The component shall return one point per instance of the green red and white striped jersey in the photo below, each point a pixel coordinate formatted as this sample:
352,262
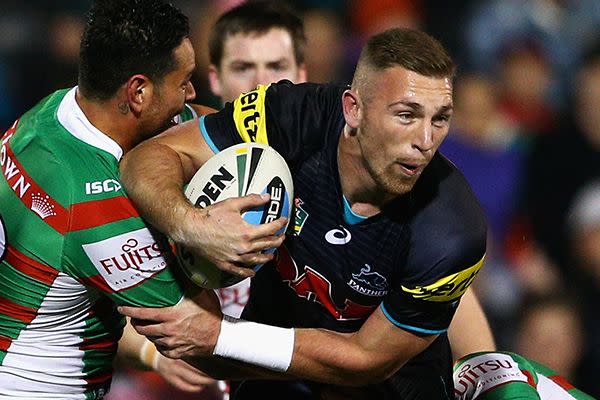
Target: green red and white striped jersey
72,247
509,376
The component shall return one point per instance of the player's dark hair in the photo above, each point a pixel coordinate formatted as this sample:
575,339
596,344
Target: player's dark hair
256,17
408,48
127,37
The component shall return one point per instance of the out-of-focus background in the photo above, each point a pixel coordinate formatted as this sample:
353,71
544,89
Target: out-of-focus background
526,133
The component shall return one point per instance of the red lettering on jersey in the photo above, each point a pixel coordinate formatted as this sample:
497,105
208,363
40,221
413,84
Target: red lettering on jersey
30,193
315,287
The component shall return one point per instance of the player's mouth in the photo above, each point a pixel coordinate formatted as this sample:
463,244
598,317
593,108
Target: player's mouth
412,168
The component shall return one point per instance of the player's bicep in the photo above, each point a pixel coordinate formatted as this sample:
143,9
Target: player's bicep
190,144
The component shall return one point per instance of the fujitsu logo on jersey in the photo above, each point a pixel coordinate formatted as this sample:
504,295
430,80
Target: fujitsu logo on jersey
128,259
481,373
108,185
133,256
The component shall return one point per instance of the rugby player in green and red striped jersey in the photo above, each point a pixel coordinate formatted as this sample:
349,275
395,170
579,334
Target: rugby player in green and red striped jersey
72,246
508,376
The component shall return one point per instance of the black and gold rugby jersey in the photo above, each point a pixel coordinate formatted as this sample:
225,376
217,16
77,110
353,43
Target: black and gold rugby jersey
414,259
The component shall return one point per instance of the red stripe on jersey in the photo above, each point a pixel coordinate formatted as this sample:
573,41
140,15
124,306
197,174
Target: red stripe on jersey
562,382
17,311
104,344
31,194
96,281
30,267
101,378
91,214
530,378
5,343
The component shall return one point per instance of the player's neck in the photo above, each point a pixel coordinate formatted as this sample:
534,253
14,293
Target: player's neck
358,186
105,116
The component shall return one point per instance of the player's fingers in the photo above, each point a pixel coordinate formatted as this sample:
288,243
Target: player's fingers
234,269
266,243
251,259
193,376
268,229
145,313
249,201
188,387
152,331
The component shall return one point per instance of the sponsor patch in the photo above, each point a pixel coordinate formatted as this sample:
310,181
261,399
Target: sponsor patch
128,259
448,288
300,216
250,117
485,372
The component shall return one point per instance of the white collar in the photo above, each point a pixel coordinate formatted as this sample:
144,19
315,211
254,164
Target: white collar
71,116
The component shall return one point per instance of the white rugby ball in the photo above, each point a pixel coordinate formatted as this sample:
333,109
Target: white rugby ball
237,171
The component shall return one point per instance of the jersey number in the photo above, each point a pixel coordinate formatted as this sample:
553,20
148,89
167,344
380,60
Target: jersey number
2,239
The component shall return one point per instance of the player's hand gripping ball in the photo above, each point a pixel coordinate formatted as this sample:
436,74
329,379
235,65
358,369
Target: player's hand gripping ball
236,171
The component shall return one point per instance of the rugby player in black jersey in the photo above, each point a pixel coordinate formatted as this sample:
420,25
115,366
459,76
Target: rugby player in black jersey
388,235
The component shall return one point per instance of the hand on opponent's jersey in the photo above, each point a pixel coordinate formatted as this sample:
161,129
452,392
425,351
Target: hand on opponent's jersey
189,329
182,375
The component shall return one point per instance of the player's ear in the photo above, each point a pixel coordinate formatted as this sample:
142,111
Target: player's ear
351,108
302,75
139,92
214,80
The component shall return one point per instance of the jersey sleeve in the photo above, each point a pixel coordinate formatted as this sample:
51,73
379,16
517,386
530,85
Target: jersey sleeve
290,118
495,376
447,240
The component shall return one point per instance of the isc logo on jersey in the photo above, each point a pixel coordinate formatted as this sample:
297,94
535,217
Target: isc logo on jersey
234,172
108,185
128,259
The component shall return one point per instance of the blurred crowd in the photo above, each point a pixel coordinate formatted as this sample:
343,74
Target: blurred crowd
525,132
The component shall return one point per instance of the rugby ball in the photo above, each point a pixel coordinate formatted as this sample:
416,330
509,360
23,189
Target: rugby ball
237,171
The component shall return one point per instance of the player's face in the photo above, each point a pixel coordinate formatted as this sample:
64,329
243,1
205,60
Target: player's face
250,59
174,90
405,117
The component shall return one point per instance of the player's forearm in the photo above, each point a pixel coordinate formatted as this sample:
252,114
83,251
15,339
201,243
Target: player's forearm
470,331
340,359
313,354
153,177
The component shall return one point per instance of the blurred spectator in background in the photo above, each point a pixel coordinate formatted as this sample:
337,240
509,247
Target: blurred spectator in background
525,78
325,55
562,162
584,229
561,28
550,332
485,144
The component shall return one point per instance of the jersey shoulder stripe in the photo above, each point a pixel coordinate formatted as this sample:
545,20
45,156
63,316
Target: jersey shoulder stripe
91,214
30,193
